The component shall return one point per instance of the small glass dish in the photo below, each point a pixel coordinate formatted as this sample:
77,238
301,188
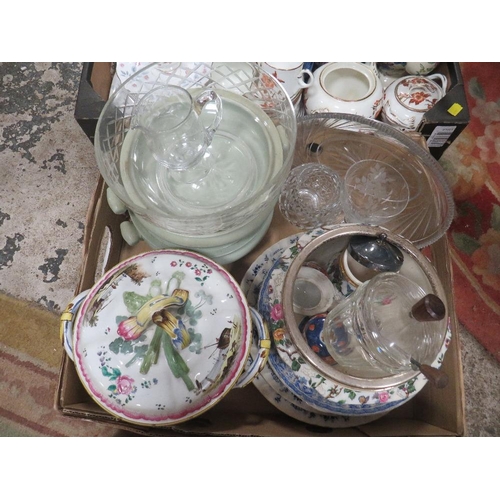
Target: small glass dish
374,192
311,196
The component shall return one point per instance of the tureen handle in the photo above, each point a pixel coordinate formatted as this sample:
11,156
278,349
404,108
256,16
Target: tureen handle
262,342
66,323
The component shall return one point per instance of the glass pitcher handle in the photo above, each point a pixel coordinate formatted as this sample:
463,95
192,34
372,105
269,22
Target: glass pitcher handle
203,99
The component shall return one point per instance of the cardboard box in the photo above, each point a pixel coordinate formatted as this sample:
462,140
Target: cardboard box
245,412
443,123
440,127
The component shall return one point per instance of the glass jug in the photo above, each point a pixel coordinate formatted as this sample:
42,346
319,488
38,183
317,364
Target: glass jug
170,118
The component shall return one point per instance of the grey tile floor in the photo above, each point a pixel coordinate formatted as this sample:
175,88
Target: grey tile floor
48,174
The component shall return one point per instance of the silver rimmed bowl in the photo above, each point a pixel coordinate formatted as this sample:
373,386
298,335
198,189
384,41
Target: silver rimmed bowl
321,249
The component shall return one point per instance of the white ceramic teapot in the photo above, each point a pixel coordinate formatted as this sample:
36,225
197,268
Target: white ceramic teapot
345,87
407,99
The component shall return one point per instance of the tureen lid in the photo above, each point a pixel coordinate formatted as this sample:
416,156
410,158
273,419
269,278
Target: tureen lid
162,337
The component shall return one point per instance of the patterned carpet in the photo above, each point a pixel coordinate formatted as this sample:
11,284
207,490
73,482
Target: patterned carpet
48,176
473,167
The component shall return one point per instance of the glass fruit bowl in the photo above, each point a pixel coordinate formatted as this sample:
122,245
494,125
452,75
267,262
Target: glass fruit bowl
341,140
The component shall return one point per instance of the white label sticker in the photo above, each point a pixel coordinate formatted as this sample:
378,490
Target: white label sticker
440,135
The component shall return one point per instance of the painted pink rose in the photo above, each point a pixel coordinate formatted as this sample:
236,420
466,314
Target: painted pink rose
188,264
383,397
486,261
197,272
173,264
124,385
277,312
487,112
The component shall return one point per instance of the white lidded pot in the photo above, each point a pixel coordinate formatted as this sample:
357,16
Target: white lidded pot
345,87
407,99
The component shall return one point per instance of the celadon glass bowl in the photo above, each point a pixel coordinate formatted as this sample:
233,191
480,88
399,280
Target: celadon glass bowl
233,207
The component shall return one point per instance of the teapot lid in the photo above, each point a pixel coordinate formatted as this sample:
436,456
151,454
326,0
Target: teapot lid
375,253
417,93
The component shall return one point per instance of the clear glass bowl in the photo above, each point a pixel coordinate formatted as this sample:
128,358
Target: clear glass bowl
374,192
311,196
341,140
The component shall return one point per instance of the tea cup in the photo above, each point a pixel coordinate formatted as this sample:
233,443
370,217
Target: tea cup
420,68
292,75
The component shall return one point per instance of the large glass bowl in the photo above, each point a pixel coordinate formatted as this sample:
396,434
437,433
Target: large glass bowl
340,140
257,116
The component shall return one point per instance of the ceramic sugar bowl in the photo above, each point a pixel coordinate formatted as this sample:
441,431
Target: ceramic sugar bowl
345,87
407,99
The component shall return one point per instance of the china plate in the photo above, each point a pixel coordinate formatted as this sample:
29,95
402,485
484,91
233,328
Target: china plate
126,70
269,385
250,284
195,358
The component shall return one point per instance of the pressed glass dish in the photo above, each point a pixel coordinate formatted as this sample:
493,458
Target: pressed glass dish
341,140
311,196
